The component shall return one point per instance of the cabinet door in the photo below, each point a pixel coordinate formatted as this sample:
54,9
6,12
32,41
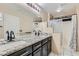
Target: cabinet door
49,46
22,52
27,54
45,50
28,51
36,45
37,52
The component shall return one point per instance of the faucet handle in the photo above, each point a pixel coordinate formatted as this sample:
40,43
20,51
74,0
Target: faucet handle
39,32
35,32
8,35
12,35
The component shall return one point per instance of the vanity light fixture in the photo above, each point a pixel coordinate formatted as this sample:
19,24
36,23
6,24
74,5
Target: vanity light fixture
34,6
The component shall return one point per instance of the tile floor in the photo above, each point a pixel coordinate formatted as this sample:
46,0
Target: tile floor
52,54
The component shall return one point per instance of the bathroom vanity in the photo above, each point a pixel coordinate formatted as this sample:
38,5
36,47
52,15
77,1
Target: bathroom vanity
40,48
37,46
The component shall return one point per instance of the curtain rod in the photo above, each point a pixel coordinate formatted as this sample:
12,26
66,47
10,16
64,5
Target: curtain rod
64,16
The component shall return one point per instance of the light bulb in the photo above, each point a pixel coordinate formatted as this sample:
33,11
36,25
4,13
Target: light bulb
58,10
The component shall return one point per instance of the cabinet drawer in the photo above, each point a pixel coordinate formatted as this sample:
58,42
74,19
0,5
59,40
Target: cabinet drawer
44,41
36,45
22,51
37,52
27,53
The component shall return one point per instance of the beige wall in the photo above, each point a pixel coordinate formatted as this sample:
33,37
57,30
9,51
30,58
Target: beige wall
1,32
44,15
1,28
77,9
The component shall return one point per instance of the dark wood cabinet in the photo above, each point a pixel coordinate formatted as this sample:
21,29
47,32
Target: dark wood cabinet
37,52
26,51
41,48
49,45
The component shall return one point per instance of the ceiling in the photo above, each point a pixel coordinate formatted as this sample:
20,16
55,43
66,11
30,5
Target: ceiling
67,8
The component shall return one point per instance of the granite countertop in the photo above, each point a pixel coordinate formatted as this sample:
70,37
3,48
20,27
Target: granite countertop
20,43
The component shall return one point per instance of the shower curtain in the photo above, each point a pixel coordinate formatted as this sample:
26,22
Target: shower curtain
68,34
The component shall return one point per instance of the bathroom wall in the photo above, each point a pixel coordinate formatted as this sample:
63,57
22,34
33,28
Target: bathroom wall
1,32
44,15
26,17
77,10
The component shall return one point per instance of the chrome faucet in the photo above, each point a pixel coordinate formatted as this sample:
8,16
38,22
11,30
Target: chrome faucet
10,35
37,33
